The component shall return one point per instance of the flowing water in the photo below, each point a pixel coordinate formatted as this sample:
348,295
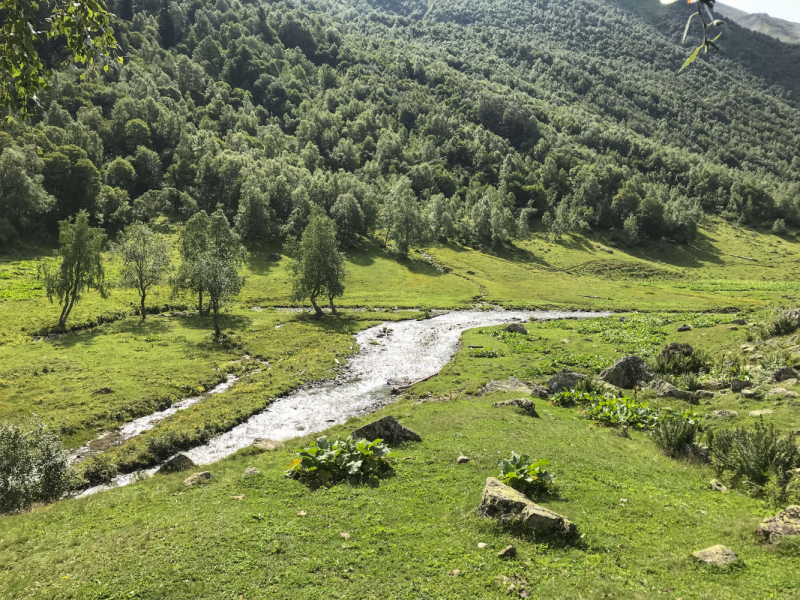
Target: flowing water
391,355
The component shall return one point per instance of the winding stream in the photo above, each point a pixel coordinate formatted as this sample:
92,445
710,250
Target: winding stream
391,354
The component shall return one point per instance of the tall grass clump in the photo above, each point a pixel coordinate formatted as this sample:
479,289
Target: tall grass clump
784,325
34,466
675,435
753,458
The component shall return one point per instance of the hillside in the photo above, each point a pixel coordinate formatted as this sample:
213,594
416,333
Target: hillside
786,31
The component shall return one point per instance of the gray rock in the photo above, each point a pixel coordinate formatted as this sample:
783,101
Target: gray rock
512,508
539,391
725,414
103,391
628,372
783,373
704,394
716,556
783,392
517,328
387,429
761,413
714,385
512,384
197,478
718,487
176,464
684,327
507,552
667,390
274,256
785,523
675,349
266,444
566,380
734,328
750,394
527,405
737,385
250,471
738,322
462,459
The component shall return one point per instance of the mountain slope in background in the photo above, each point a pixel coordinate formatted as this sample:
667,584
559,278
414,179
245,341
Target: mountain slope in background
786,31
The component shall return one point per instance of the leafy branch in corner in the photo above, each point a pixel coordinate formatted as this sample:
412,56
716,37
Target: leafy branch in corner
708,43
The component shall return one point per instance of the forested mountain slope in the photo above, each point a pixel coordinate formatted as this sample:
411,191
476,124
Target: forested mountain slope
467,120
786,31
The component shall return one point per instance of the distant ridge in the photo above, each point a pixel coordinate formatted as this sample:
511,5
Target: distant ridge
786,31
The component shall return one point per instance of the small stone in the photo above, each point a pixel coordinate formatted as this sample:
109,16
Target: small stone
301,513
239,497
704,394
718,487
684,327
507,552
197,478
266,444
462,459
734,328
249,471
344,535
783,392
749,394
737,385
482,545
761,413
527,405
455,573
725,414
738,322
717,556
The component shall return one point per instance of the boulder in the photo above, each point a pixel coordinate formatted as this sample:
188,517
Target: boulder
566,380
704,394
176,464
725,414
761,413
527,405
677,349
737,385
750,394
266,444
738,322
714,385
628,372
667,390
250,471
718,487
783,373
539,391
462,459
274,256
512,384
507,552
684,327
512,508
782,392
517,328
197,478
716,556
785,523
387,429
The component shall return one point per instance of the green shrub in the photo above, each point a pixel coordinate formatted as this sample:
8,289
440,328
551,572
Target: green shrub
621,412
674,363
748,458
675,435
783,325
528,477
570,398
34,466
99,469
485,353
326,463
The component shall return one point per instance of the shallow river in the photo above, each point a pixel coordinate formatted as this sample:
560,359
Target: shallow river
391,354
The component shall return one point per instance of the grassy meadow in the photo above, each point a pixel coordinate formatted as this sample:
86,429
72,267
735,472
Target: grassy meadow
641,514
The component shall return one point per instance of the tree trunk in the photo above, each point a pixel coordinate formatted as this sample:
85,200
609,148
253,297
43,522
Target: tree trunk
200,303
317,309
215,309
386,239
143,313
62,322
333,308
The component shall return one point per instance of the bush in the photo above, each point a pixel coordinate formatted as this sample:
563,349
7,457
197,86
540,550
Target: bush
748,458
483,353
675,435
326,463
528,477
622,412
674,363
99,469
34,466
783,325
570,398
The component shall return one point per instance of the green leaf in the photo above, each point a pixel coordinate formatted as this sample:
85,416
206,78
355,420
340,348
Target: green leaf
692,58
688,23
